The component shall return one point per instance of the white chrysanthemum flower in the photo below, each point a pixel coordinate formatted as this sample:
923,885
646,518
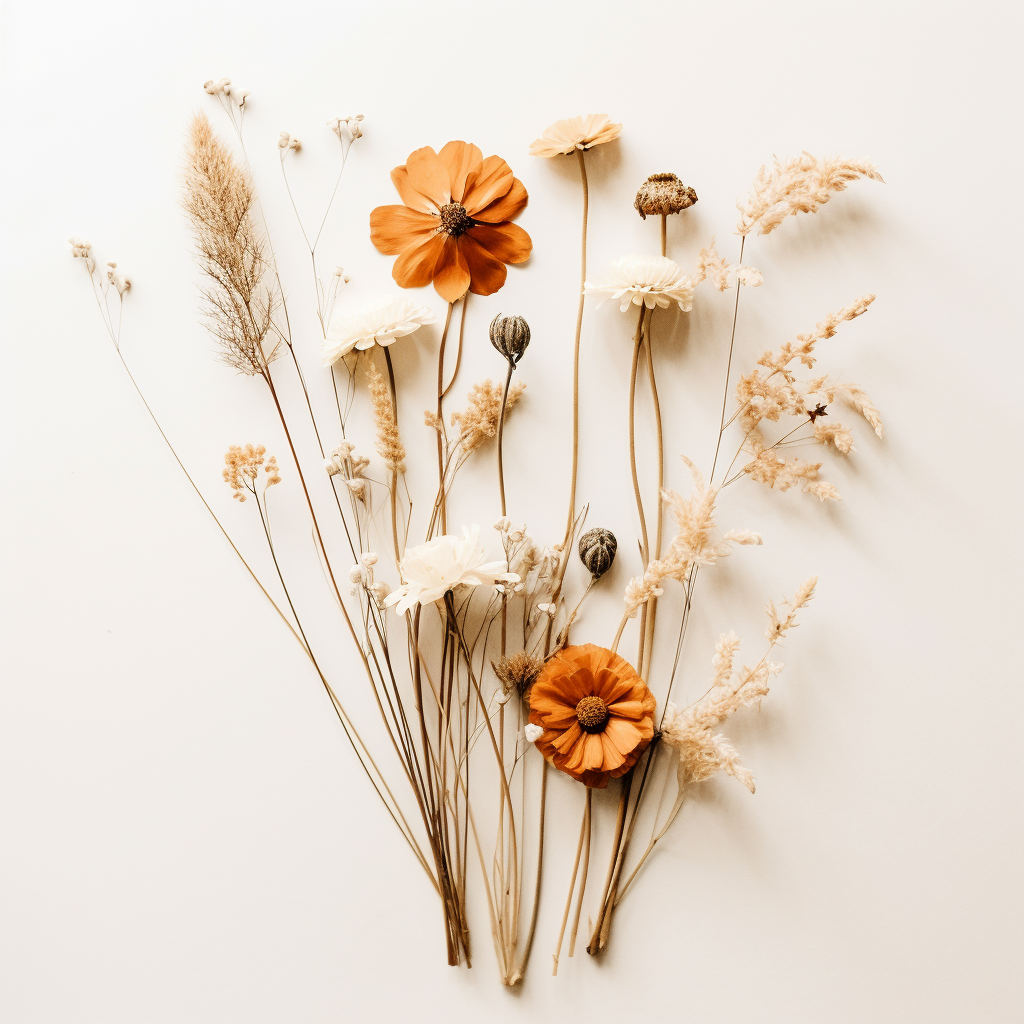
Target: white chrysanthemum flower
378,322
645,280
430,570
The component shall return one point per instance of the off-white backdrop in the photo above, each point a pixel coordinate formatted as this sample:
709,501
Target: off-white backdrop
185,836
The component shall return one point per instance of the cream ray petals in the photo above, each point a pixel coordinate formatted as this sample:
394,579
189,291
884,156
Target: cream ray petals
394,229
506,242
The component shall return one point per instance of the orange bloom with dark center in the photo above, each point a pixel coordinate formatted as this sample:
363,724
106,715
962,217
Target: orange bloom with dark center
596,712
454,228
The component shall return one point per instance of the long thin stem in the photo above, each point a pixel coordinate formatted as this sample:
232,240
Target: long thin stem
394,470
728,368
645,668
441,432
584,832
588,813
576,351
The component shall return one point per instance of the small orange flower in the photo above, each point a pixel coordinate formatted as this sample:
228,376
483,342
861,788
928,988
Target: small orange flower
596,712
454,228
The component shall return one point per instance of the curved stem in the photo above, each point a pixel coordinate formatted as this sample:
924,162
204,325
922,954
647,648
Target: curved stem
653,604
394,470
583,876
584,832
576,351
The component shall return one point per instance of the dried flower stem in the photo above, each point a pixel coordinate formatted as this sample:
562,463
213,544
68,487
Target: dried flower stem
442,435
600,934
584,838
728,368
645,665
587,815
576,352
528,947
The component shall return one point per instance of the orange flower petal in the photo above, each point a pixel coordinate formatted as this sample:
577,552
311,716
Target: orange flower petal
506,242
415,267
625,735
549,707
463,161
488,273
564,742
507,207
494,180
413,199
451,276
611,756
628,709
428,174
394,229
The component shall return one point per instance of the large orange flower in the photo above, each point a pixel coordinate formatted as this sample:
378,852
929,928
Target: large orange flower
596,712
454,228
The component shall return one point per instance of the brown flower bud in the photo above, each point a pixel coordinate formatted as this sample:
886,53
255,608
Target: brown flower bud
510,335
662,194
597,551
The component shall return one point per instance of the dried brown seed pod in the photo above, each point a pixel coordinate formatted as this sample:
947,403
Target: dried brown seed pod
662,194
518,672
510,335
597,550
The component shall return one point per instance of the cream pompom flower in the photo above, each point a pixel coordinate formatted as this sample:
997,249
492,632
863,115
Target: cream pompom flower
378,322
430,570
644,281
575,133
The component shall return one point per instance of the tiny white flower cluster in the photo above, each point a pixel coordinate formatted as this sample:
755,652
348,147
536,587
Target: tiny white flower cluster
340,272
286,142
348,129
343,461
361,574
122,282
533,733
81,249
225,88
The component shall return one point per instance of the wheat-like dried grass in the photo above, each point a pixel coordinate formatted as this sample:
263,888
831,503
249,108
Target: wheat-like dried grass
389,443
800,185
479,422
219,199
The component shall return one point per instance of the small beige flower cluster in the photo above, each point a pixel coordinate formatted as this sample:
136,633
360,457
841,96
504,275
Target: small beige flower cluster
723,275
226,89
361,575
242,467
285,143
479,422
345,463
348,129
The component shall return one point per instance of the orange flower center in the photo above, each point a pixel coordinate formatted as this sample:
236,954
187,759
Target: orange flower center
591,713
454,219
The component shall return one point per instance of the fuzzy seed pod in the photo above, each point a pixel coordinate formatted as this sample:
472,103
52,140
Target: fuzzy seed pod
510,335
662,194
597,551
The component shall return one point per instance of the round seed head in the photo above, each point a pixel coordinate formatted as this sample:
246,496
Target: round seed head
510,335
662,194
597,551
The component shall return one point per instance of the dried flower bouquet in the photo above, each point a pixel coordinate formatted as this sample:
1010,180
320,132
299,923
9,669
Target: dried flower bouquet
483,672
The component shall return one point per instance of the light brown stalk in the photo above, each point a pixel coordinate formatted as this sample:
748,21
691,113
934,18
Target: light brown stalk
394,470
587,817
645,544
441,432
584,833
595,944
528,947
576,351
645,667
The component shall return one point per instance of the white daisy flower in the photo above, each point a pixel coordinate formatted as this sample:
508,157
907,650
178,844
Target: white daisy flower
378,322
644,280
430,570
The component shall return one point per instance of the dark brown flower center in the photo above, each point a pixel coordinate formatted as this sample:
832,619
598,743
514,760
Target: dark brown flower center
592,713
454,219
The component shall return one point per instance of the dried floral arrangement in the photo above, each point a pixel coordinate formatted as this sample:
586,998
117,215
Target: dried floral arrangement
475,645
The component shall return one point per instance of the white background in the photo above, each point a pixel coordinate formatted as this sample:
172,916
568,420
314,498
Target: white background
184,832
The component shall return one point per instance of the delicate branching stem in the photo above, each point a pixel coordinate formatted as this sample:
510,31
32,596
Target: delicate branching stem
728,368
